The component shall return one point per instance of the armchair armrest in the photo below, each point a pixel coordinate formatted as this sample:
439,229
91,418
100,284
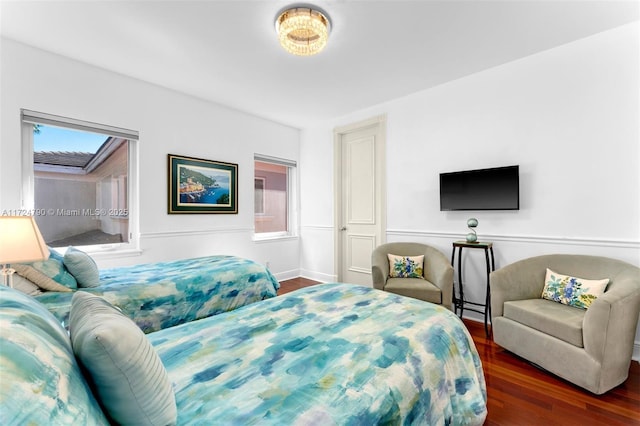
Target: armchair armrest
613,317
379,269
439,272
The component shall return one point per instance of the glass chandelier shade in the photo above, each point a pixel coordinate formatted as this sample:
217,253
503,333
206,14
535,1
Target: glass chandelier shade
303,31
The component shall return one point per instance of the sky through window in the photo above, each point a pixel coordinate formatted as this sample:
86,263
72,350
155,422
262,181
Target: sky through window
58,139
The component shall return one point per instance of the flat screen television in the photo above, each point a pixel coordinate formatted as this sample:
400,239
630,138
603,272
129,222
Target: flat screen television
484,189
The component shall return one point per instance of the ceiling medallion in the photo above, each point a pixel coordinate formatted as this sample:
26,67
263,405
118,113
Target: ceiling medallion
303,31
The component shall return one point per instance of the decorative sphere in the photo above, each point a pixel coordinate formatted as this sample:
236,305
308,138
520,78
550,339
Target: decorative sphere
471,237
472,223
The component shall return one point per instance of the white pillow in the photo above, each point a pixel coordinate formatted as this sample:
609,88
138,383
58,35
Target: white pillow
405,266
572,291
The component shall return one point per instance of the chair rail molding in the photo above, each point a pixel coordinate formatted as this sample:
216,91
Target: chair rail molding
626,244
199,232
318,227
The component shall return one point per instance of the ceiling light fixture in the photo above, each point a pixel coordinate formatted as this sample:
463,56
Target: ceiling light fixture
303,31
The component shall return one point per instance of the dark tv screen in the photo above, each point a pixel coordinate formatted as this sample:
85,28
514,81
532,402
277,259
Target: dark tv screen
484,189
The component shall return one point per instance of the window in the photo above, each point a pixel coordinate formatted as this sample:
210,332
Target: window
274,183
78,183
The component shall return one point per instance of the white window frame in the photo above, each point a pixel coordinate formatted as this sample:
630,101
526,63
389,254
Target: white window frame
28,118
264,186
292,199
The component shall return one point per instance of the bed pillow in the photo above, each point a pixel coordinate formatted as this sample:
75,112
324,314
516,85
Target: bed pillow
40,380
53,267
128,376
38,278
572,291
25,286
53,254
82,267
405,266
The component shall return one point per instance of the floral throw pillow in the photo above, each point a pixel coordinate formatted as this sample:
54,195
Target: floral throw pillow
572,291
405,266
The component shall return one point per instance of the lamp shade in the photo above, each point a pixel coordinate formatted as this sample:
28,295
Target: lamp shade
20,240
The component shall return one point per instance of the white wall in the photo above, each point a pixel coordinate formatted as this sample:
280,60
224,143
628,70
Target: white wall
568,116
168,122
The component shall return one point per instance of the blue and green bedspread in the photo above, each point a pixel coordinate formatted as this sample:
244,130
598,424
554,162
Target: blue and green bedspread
164,294
328,354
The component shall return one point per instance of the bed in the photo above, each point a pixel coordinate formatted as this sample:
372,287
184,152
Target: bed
164,294
328,354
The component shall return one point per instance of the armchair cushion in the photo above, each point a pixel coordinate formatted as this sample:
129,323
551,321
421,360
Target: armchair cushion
551,318
418,288
405,266
576,292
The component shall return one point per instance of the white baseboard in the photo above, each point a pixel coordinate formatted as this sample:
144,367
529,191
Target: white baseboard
318,276
287,275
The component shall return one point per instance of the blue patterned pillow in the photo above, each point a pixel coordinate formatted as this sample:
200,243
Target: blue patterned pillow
41,381
127,374
53,267
53,254
82,267
405,266
38,278
572,291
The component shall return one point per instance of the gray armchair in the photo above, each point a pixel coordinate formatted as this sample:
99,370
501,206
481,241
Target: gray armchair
591,348
437,285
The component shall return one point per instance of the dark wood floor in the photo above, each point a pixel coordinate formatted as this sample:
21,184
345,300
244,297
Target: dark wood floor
521,394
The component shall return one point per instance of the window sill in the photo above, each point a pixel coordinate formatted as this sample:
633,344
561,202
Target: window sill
115,253
106,252
269,238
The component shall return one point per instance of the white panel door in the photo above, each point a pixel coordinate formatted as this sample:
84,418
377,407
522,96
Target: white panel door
360,199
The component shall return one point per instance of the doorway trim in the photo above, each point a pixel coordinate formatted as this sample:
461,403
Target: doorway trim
338,133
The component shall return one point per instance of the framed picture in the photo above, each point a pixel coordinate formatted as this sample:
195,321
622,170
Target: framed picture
202,186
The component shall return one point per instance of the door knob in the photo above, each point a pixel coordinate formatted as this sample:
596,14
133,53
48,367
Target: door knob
344,228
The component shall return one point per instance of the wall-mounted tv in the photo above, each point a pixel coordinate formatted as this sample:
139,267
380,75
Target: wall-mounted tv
484,189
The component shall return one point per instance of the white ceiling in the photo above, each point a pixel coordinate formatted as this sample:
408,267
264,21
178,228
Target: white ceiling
226,51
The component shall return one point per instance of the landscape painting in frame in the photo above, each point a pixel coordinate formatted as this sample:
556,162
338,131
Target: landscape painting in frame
202,186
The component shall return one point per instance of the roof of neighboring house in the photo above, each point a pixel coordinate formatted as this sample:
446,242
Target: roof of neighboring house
63,158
